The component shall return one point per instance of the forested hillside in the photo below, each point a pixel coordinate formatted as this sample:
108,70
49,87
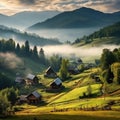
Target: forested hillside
6,32
107,35
79,18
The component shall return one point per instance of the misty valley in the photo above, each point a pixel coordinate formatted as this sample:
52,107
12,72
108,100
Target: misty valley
60,65
64,35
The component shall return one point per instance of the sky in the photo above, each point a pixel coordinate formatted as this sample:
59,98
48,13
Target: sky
10,7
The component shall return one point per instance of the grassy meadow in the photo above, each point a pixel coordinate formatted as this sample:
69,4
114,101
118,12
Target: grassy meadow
81,115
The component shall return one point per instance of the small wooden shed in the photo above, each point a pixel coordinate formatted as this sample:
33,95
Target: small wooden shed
50,73
57,83
34,98
31,79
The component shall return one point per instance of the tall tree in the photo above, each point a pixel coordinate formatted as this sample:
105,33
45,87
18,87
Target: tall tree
35,53
4,104
42,56
115,68
107,58
18,48
108,75
55,62
64,69
12,95
27,48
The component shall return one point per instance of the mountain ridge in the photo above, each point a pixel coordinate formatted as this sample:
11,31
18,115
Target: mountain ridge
105,36
34,39
79,18
26,18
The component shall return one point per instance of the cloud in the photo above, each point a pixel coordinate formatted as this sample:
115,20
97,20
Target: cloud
27,2
61,5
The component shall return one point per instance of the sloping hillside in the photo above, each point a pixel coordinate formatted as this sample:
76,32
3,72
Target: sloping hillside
34,39
79,18
106,36
26,18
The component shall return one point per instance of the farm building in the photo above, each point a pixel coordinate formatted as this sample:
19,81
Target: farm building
31,79
57,83
50,73
22,99
19,80
73,69
34,98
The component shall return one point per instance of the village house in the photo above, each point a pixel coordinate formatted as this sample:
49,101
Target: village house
31,79
50,73
56,84
19,79
72,69
34,98
22,99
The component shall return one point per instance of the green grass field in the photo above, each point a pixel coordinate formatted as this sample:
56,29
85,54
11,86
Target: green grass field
81,115
75,93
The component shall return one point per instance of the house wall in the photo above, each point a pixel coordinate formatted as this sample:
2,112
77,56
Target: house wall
33,100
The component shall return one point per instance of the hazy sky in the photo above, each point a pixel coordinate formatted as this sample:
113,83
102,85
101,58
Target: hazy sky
13,6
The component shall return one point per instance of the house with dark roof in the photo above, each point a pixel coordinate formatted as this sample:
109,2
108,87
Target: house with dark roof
34,98
19,80
50,73
72,69
31,79
57,83
22,99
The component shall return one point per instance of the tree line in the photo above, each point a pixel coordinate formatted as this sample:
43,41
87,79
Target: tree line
24,50
110,31
110,65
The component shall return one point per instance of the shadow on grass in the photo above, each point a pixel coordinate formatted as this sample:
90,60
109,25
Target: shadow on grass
58,117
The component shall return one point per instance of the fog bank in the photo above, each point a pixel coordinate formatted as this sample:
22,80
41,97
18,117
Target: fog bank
85,53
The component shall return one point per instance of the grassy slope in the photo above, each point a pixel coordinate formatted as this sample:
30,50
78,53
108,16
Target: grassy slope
109,115
75,93
100,42
69,97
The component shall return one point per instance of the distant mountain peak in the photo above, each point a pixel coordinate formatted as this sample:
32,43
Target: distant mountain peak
86,9
79,18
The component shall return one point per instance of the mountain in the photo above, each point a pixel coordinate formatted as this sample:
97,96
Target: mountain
106,35
25,19
34,39
79,18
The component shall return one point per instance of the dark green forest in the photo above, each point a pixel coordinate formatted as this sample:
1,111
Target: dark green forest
106,32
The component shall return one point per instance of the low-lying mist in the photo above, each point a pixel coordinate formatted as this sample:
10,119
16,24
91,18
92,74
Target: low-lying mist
10,60
82,52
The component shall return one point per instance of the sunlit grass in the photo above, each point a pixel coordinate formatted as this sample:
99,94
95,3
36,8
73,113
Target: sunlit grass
75,93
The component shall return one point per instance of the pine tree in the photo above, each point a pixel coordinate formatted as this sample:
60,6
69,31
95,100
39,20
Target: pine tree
27,48
18,48
35,53
42,56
